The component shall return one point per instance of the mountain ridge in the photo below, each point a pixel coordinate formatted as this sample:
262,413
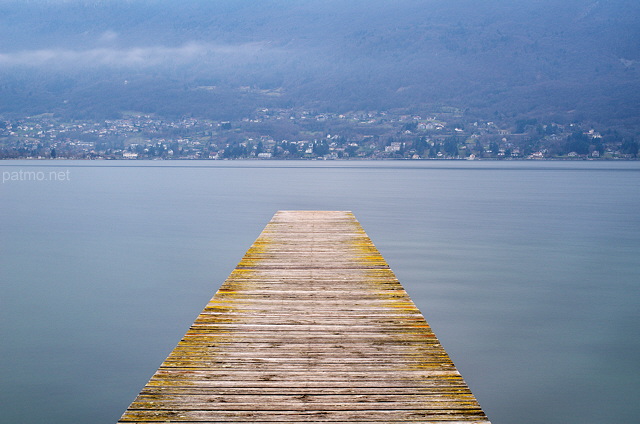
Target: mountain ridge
561,61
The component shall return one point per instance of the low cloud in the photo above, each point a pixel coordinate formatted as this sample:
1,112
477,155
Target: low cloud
108,36
140,56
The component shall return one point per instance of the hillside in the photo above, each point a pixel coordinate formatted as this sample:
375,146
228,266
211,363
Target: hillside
576,60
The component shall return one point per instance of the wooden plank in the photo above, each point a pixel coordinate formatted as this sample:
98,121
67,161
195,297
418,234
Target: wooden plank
311,326
300,415
354,392
283,399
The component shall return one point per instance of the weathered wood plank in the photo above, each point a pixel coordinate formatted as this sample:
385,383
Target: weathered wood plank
168,392
303,414
308,398
311,326
290,421
301,404
305,422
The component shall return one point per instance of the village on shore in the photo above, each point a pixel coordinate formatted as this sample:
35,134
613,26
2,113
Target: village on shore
296,133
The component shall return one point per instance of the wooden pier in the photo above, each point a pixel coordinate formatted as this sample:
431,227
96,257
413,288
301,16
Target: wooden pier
312,326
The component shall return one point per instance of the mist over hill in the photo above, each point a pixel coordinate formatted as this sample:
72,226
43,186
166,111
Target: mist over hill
563,61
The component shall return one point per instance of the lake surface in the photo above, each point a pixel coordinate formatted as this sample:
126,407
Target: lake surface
528,272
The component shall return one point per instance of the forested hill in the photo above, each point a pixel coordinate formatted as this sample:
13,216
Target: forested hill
555,60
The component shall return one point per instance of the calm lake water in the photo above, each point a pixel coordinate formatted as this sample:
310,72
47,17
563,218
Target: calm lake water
529,273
